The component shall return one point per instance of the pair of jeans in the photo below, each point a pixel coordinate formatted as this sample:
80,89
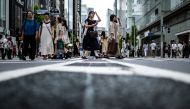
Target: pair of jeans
60,53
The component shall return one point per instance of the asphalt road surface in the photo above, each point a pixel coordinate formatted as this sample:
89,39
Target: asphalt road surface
95,84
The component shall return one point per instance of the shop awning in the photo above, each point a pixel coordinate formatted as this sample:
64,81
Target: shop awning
182,33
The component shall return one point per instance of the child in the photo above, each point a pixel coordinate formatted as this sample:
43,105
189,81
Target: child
8,46
60,45
104,43
124,49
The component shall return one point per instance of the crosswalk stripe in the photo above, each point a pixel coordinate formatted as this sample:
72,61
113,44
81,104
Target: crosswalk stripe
134,70
8,75
156,72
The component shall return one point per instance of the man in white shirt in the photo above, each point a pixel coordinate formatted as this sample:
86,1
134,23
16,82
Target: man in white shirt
153,49
174,50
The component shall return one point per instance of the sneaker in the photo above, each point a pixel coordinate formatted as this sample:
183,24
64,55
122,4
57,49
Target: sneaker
83,57
23,58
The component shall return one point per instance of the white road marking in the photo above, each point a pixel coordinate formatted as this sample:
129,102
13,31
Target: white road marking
160,59
35,61
156,72
135,70
8,75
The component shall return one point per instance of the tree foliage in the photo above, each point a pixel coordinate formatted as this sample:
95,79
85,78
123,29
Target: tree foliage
39,18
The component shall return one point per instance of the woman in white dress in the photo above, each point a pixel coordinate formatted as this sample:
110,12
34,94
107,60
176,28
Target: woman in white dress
46,39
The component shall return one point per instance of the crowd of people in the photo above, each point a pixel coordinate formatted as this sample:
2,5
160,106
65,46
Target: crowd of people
50,39
173,50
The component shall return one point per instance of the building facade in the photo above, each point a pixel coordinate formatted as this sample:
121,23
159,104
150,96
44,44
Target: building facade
16,11
133,12
176,21
120,10
4,17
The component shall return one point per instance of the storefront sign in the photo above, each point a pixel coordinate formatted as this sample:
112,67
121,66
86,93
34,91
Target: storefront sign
20,2
146,33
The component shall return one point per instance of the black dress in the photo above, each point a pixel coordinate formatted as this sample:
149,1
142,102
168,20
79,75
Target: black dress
90,44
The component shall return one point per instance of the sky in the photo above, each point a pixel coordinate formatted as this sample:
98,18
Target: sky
100,6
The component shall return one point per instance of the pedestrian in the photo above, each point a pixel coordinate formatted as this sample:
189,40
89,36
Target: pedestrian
104,43
165,49
174,50
46,37
30,34
169,50
19,39
66,38
128,47
59,40
90,41
180,49
76,48
185,50
113,47
188,49
2,47
124,49
145,47
153,49
8,47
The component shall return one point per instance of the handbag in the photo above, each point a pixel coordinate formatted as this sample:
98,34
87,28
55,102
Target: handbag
93,34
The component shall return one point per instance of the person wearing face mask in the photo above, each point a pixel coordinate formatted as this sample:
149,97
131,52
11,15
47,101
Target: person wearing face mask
30,33
90,41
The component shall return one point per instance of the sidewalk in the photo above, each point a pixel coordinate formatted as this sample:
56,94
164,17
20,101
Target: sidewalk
166,59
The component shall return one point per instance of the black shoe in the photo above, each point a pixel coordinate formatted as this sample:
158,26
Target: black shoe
83,57
32,59
97,57
107,57
119,57
23,58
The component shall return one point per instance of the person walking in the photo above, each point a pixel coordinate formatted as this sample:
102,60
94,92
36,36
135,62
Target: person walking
174,50
104,43
186,49
165,49
145,47
153,49
18,41
30,33
2,50
180,49
169,50
46,38
59,40
76,48
90,41
113,48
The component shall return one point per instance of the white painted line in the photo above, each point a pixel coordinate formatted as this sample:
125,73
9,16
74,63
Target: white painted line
92,70
8,75
35,61
138,70
156,72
